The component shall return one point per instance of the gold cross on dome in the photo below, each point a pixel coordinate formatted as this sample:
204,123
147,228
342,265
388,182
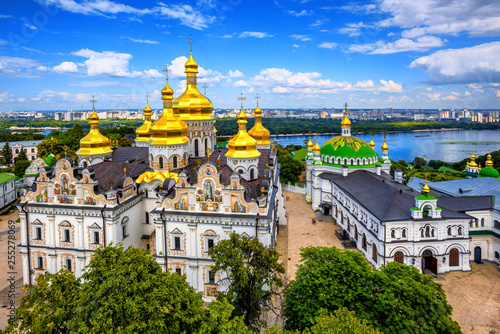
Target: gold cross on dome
147,96
241,98
346,112
190,43
205,86
257,97
166,70
93,100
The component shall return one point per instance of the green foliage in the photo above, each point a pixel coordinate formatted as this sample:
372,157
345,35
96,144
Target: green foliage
290,168
124,142
10,137
438,176
21,163
394,299
127,292
22,155
48,146
219,320
6,155
252,271
48,305
495,156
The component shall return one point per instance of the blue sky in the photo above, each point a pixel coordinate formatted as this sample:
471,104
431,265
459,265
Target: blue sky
54,54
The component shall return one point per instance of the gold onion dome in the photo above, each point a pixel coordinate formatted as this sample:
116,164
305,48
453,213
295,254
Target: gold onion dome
316,147
94,143
242,145
385,148
346,121
168,130
259,132
426,188
142,132
192,105
489,170
372,143
310,143
489,162
473,163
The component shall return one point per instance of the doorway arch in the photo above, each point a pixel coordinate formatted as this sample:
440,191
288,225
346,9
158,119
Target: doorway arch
477,254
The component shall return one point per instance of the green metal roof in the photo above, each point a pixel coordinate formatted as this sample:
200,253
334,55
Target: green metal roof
489,172
5,177
347,147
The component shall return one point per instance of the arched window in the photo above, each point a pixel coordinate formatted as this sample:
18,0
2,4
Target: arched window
427,231
477,222
454,257
160,162
403,233
196,147
356,232
432,232
240,171
393,234
460,230
252,174
174,162
422,233
206,144
364,241
399,257
482,221
374,253
449,230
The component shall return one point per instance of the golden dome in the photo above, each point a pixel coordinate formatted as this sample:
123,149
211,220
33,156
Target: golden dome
472,163
426,187
242,145
385,148
192,105
489,162
310,143
346,121
259,132
168,130
316,147
157,175
142,132
94,143
372,143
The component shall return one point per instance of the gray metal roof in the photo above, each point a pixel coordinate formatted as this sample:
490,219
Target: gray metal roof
25,143
388,200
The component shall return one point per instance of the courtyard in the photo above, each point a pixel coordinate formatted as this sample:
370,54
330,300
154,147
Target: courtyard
474,295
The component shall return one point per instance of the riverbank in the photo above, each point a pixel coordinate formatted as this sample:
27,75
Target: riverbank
362,133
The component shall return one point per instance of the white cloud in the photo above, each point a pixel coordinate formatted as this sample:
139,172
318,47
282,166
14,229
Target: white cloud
302,38
26,48
422,43
16,66
240,83
146,41
475,64
184,13
254,34
295,46
328,45
299,14
235,74
177,71
319,23
110,63
100,83
43,68
66,67
352,29
227,36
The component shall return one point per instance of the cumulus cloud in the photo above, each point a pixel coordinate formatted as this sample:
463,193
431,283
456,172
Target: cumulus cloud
475,64
110,63
235,74
205,75
66,67
240,83
422,43
17,66
255,34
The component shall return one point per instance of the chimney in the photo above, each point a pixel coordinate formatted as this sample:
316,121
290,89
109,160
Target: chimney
345,170
378,169
398,176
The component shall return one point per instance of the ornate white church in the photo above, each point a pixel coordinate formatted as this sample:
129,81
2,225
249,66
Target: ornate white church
380,216
175,193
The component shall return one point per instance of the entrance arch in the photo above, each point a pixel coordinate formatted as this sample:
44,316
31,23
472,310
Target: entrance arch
429,261
477,254
454,257
399,257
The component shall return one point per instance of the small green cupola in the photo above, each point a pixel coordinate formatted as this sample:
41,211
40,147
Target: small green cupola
425,205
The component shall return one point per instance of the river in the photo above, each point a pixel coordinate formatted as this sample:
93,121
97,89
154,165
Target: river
449,146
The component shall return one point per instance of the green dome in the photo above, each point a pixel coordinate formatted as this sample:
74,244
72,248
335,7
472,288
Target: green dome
489,172
347,147
50,160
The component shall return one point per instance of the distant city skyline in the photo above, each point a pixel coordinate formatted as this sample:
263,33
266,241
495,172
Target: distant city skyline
434,54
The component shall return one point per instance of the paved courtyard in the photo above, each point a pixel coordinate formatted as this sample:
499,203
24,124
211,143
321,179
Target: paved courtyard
475,295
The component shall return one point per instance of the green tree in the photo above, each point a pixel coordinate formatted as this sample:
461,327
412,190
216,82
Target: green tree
290,169
124,142
252,272
6,155
22,155
127,292
48,305
219,320
395,299
419,162
48,146
21,164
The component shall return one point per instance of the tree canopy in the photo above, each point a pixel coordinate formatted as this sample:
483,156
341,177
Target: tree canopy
251,272
394,299
6,154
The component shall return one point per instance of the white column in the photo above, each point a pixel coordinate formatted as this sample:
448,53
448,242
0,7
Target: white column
26,269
